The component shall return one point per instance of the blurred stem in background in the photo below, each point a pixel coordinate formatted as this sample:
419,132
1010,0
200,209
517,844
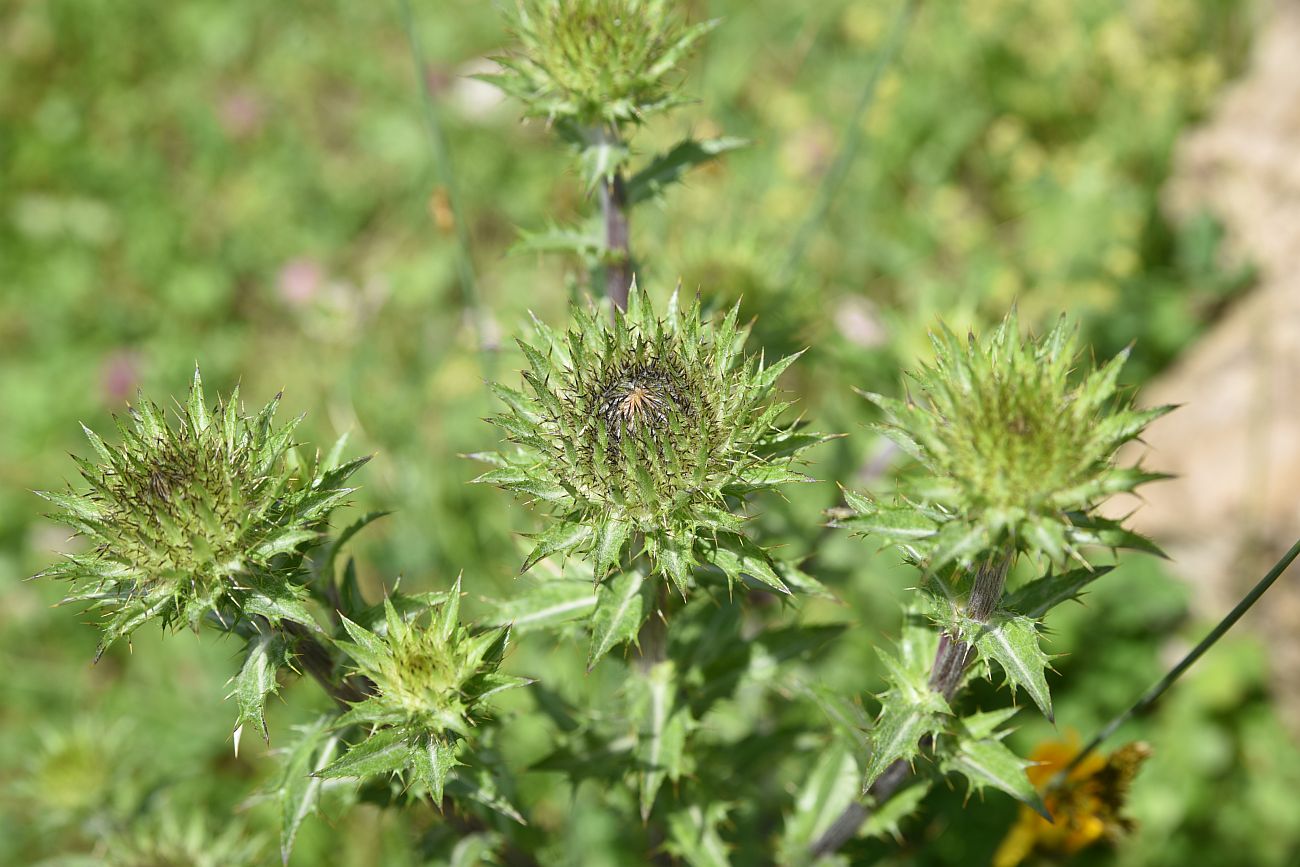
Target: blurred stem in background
1152,695
446,178
852,141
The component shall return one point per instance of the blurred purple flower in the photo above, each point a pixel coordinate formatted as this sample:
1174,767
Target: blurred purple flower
300,280
119,376
240,114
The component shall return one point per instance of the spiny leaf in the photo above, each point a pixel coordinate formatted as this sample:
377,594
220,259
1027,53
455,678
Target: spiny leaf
1011,640
910,709
988,762
298,790
611,535
545,605
1043,594
887,818
737,556
432,758
265,654
560,538
906,716
693,835
622,604
667,168
385,751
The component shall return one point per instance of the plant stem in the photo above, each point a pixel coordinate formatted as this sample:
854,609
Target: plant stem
618,254
953,655
950,662
1152,695
317,661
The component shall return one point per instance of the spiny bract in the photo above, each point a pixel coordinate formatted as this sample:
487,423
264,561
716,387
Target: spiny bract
430,686
189,519
647,434
1017,451
596,63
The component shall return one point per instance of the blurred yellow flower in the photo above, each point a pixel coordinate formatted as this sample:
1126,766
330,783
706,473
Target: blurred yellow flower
1086,805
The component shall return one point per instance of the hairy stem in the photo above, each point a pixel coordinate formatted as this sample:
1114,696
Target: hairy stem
950,662
317,661
953,655
618,254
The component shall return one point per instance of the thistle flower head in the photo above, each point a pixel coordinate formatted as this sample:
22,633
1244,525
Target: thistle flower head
648,432
203,515
1017,450
597,63
430,686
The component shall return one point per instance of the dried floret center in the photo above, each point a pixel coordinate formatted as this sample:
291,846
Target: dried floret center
642,397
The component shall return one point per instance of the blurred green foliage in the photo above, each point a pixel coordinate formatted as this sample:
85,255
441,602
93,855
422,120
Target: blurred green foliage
250,186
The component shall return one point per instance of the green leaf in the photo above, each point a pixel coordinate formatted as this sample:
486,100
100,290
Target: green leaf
601,160
675,559
386,751
1011,640
906,716
584,242
846,716
366,647
265,654
661,738
610,538
481,784
909,710
1092,530
667,168
447,617
887,819
899,522
475,850
284,544
736,556
622,604
988,762
432,758
831,785
278,601
1043,594
693,835
561,538
545,605
298,789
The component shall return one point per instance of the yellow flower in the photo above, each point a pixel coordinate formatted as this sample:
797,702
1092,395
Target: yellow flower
1086,806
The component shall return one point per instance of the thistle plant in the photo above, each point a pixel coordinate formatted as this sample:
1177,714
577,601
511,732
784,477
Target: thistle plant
647,440
598,64
1015,450
430,682
205,517
596,70
643,436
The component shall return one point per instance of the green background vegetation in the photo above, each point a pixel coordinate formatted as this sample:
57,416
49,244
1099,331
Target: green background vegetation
251,186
